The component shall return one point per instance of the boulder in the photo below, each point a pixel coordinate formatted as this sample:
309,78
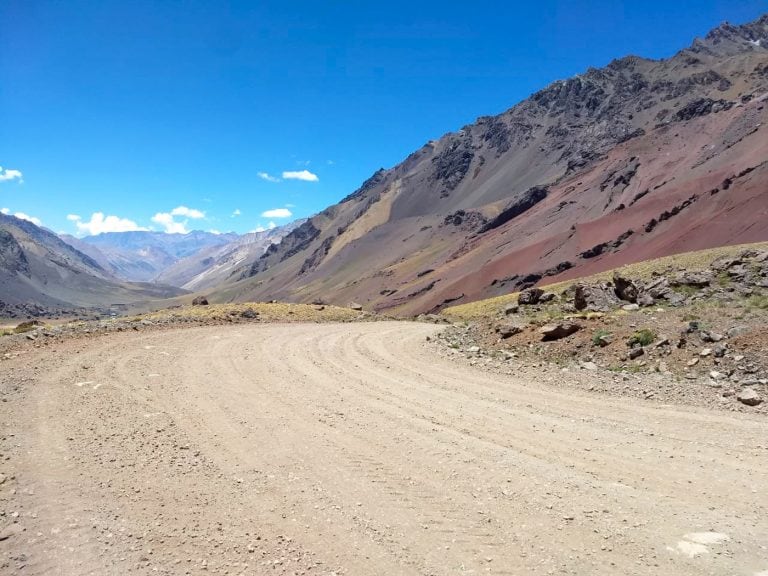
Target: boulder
508,330
200,301
356,306
558,331
547,297
249,313
749,397
511,309
645,299
693,279
530,296
594,298
625,288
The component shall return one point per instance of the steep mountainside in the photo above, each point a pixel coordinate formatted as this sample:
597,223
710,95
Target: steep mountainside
39,272
214,265
635,160
142,256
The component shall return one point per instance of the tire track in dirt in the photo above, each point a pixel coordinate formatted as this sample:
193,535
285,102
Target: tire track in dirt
354,449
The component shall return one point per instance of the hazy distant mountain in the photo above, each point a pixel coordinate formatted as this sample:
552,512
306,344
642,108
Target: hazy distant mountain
215,265
37,268
639,159
143,256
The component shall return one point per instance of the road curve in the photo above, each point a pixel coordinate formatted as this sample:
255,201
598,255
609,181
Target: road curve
356,449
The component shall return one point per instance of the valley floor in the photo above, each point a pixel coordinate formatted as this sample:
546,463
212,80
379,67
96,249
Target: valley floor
356,449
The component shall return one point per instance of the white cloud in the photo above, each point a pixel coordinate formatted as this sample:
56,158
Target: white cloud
165,219
99,223
188,212
236,212
169,223
277,213
5,211
28,218
304,175
262,228
214,231
268,177
6,175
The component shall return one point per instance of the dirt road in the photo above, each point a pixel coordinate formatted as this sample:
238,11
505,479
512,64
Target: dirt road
355,449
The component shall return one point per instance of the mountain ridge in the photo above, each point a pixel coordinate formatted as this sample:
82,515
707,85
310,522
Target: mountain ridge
438,203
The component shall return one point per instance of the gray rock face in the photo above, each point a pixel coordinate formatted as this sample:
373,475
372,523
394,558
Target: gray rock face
558,331
593,298
530,296
693,279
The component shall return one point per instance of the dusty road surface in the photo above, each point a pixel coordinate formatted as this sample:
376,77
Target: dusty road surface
355,449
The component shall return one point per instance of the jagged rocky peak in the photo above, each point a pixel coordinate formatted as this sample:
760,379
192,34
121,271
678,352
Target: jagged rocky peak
728,39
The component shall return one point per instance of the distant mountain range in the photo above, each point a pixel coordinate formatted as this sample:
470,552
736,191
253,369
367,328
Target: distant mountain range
42,274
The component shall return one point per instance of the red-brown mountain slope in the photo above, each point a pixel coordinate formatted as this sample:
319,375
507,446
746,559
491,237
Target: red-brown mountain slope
636,160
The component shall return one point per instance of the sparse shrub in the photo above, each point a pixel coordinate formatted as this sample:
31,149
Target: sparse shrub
758,301
598,338
644,337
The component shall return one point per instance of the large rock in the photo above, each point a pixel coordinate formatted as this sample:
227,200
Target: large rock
530,296
595,298
558,331
200,301
749,397
694,279
356,306
508,329
625,288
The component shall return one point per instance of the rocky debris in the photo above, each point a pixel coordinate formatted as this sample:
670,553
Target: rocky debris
558,331
249,313
530,296
200,301
355,306
749,397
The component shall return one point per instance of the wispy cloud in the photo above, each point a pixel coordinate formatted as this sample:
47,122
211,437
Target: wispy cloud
99,223
277,213
236,212
172,226
188,212
304,175
28,218
268,177
6,175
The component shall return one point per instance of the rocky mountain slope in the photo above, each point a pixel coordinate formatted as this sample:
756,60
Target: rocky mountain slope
213,265
639,159
41,274
142,256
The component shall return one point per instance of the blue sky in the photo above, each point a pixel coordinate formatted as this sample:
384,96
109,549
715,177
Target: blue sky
231,115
